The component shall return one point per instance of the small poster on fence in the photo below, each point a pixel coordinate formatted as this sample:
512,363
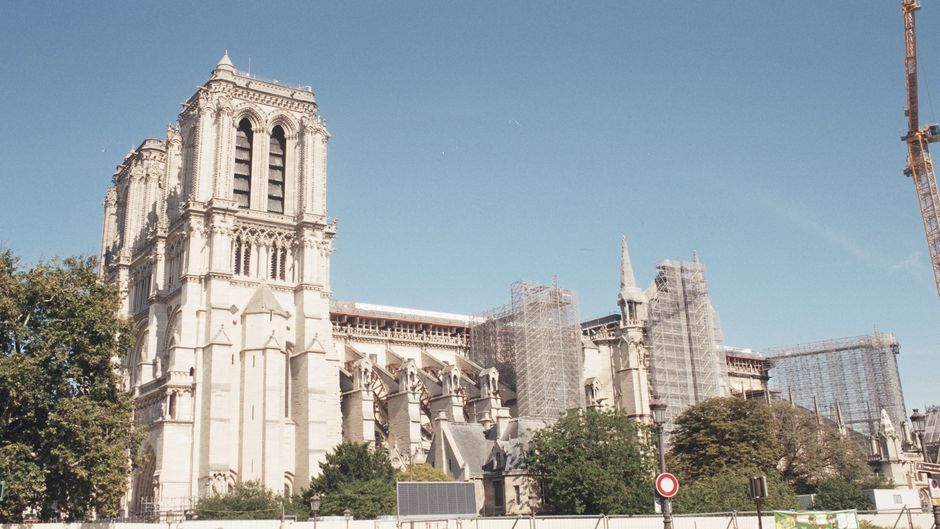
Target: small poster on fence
816,520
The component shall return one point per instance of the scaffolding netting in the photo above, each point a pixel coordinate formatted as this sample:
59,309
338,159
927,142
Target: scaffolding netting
859,375
687,362
535,344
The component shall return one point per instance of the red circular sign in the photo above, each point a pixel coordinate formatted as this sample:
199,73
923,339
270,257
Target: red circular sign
667,485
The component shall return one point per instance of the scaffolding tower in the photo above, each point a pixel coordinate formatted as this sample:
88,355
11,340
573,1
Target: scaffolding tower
535,344
687,362
857,375
491,342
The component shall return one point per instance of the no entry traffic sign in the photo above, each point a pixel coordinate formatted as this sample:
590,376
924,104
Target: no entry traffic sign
667,485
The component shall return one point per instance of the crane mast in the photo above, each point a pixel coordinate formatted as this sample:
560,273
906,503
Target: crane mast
919,163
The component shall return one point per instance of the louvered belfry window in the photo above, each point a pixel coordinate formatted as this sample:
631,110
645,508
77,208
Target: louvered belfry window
276,171
242,181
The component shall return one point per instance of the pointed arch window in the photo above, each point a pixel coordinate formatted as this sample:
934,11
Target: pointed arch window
242,182
242,254
276,170
278,268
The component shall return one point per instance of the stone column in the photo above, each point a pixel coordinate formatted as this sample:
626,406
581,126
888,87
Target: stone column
319,171
259,167
358,405
219,430
225,152
404,410
206,153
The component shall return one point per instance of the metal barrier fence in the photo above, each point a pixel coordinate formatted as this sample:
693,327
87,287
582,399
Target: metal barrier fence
893,520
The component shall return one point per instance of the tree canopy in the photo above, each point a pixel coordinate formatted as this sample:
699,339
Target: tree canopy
718,443
67,433
593,462
355,477
811,452
719,435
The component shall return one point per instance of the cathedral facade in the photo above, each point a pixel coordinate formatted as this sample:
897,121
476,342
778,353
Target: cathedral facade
243,367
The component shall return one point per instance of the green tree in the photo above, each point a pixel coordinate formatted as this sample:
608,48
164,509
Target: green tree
733,436
723,435
355,477
421,472
249,501
593,462
67,433
24,480
729,492
836,494
811,452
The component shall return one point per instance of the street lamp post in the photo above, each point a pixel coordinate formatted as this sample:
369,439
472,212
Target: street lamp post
919,421
315,507
658,409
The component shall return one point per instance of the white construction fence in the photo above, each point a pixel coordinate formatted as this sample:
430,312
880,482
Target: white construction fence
904,520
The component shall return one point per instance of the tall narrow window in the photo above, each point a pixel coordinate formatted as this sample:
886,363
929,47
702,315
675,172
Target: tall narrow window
272,272
242,251
238,255
276,171
242,185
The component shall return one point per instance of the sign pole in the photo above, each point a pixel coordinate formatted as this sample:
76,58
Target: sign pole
934,489
757,488
667,502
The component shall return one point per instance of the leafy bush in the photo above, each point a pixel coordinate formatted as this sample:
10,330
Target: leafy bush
249,501
729,492
837,494
422,472
355,477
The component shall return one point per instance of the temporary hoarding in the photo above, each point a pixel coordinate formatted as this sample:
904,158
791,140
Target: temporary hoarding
816,520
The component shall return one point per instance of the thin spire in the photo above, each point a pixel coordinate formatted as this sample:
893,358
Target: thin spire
630,295
627,280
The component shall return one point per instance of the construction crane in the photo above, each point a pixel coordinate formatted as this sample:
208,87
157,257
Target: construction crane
919,164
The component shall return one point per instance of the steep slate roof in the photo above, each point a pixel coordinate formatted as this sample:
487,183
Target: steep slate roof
471,443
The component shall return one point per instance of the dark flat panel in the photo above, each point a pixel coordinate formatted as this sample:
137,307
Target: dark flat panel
436,498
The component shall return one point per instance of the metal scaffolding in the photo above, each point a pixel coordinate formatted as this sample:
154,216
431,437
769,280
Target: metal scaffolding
535,343
859,375
491,342
687,362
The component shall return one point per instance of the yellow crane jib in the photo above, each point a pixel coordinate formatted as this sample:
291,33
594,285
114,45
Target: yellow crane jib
919,164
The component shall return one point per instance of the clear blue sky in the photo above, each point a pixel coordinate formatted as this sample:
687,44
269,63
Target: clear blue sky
479,143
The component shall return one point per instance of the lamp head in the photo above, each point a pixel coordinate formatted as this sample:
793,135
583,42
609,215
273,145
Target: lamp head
658,409
315,502
918,421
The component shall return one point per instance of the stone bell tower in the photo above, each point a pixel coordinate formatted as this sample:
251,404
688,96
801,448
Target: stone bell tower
631,358
219,236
